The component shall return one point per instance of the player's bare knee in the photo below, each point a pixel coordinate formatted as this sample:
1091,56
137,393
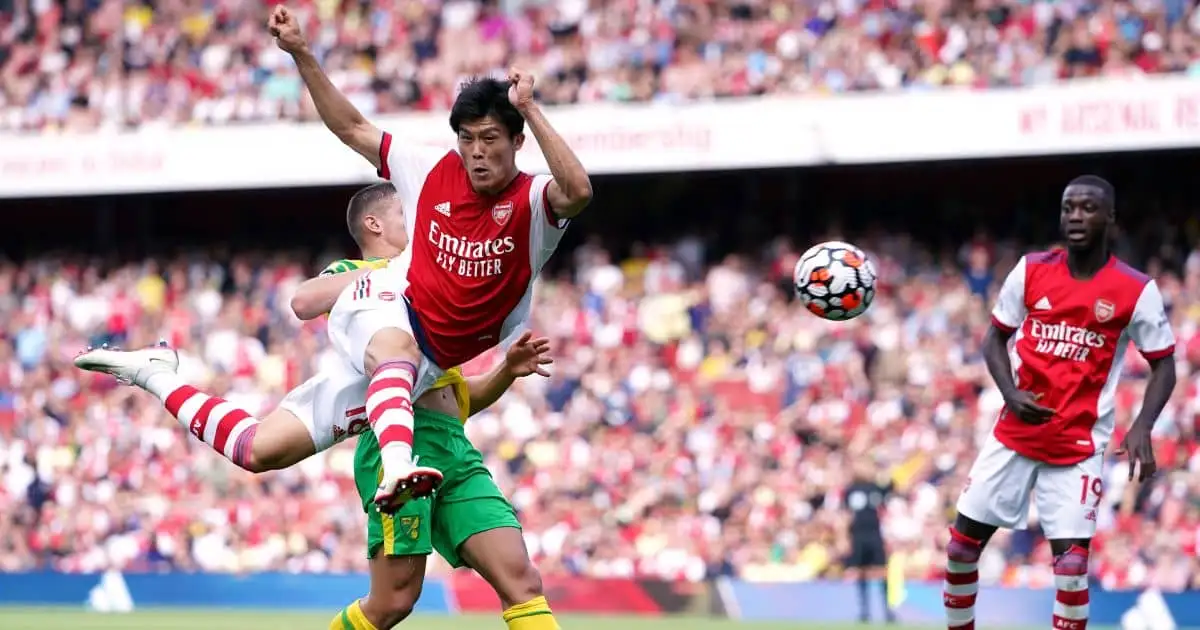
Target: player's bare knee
255,464
387,606
262,459
268,448
389,344
529,584
396,583
397,606
520,583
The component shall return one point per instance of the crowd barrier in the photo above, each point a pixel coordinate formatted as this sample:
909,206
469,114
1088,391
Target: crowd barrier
812,602
266,591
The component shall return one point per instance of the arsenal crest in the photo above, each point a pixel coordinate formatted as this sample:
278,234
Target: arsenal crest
501,212
1104,310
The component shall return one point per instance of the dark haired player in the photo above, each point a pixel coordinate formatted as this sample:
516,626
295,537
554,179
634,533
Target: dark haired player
481,231
1071,315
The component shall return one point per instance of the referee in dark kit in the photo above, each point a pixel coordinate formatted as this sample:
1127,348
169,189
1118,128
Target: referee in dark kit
867,562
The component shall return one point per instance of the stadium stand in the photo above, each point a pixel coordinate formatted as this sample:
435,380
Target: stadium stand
77,66
697,425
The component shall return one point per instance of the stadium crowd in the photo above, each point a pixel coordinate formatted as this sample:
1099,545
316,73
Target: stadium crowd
697,423
78,65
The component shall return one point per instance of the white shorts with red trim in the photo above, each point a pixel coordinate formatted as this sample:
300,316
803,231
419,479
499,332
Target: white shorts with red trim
373,303
1003,482
331,405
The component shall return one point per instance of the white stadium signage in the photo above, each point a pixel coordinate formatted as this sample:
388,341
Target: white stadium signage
1080,117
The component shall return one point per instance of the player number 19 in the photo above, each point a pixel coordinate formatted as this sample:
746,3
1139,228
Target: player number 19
1092,485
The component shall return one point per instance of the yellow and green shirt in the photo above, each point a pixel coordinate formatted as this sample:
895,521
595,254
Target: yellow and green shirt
350,264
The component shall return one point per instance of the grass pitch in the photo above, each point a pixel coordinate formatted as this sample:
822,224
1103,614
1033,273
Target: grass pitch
69,619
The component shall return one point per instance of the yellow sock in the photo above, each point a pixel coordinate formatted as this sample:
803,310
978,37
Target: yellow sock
532,615
351,618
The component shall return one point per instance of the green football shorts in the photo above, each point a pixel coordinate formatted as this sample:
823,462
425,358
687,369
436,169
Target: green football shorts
467,503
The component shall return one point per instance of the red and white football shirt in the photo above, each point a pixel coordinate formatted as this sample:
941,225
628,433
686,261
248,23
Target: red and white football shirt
472,258
1069,346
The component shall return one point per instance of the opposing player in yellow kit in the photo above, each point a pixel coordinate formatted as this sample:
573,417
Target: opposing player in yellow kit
467,521
328,408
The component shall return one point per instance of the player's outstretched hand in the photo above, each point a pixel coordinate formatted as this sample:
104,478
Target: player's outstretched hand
528,356
1140,449
520,93
1024,405
285,28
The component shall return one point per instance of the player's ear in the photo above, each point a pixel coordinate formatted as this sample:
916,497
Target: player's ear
518,141
373,224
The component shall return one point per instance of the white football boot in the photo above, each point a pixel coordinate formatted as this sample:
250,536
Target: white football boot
131,367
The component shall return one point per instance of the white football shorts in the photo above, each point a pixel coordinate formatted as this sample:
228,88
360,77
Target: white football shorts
1002,483
331,405
372,303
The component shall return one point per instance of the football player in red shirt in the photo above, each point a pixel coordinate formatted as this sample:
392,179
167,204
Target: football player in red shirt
1071,315
480,230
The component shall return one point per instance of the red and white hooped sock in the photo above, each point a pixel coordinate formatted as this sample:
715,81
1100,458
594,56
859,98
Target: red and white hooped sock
1071,599
229,430
390,410
962,581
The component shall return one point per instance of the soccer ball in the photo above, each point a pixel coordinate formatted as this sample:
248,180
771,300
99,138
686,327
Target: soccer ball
835,280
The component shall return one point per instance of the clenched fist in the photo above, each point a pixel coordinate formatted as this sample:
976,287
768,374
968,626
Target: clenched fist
520,93
285,28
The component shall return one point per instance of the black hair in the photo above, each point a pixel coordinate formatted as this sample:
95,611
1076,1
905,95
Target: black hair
361,203
481,97
1095,181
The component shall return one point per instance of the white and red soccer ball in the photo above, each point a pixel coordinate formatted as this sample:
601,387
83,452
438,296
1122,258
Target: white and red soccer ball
835,280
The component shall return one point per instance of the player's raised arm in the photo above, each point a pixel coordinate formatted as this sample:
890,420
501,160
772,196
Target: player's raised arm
336,111
526,356
1150,330
1007,316
315,296
571,189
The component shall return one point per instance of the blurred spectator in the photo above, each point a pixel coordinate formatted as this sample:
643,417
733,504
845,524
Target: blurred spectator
697,424
79,65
